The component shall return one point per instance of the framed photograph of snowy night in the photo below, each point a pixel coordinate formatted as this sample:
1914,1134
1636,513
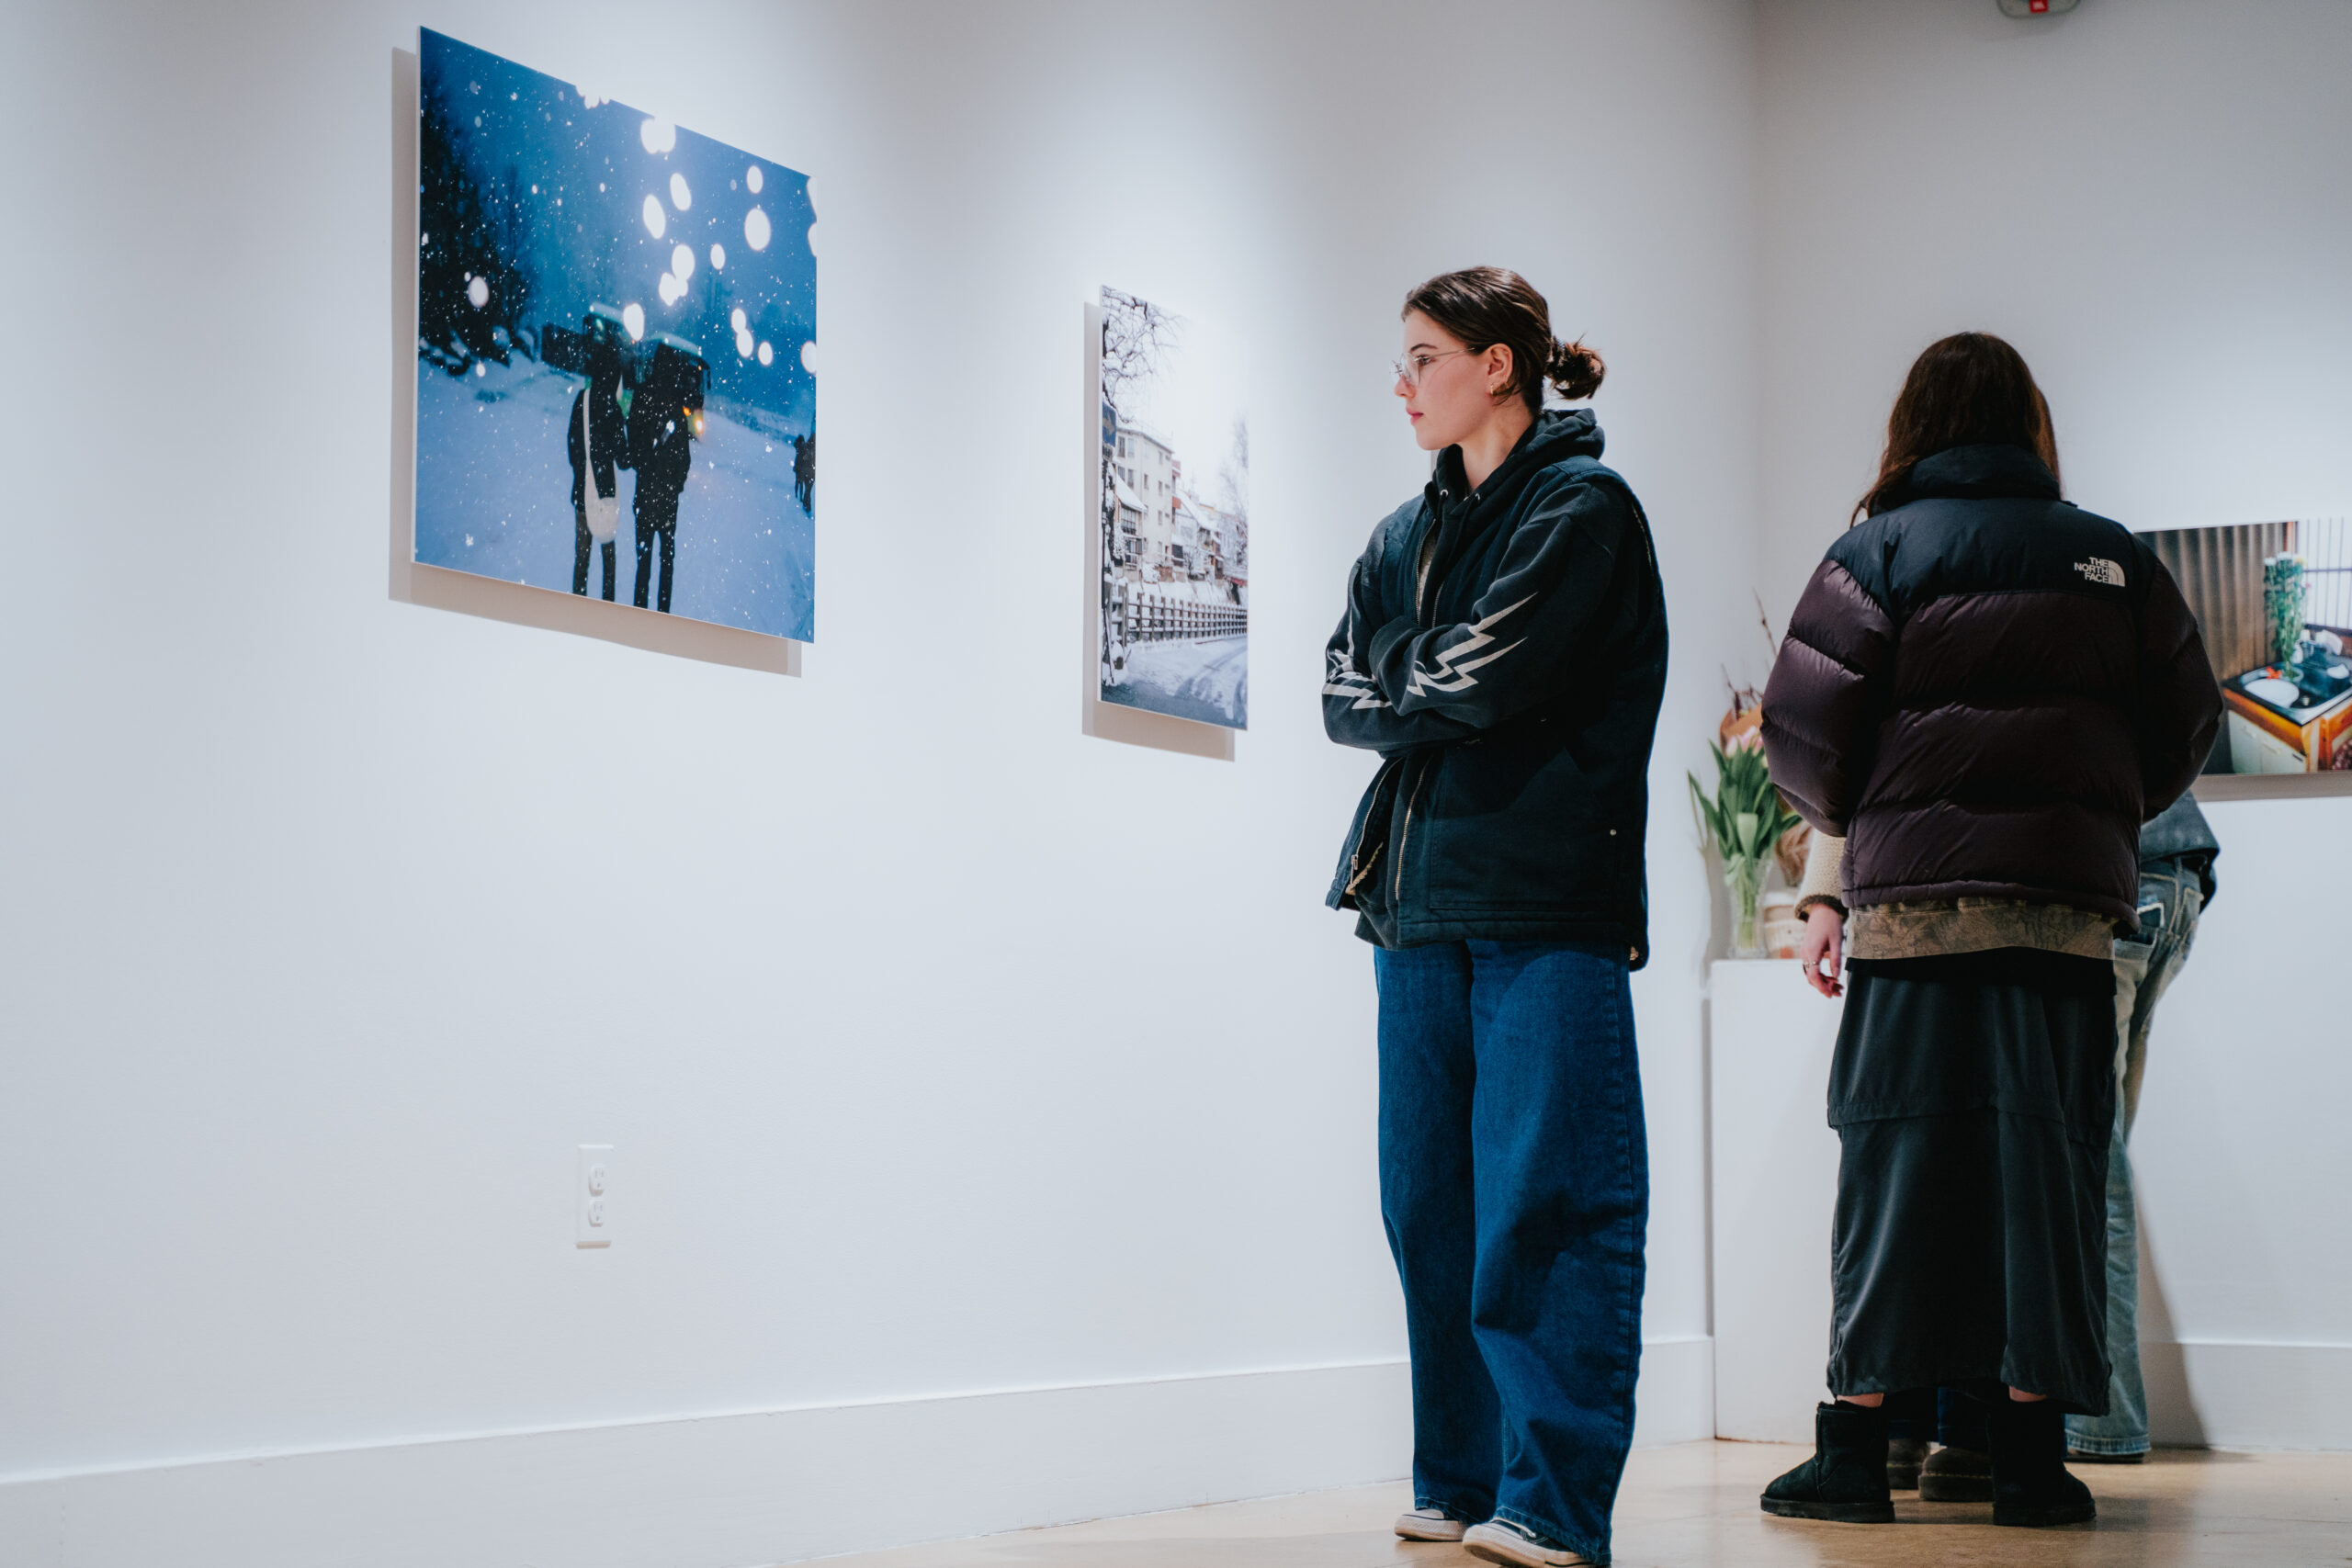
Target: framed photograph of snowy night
617,357
1170,516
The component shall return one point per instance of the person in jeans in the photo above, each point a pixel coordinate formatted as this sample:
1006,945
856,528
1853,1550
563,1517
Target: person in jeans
2176,854
1984,693
1504,653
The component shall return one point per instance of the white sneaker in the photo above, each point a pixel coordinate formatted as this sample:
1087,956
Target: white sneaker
1499,1540
1428,1524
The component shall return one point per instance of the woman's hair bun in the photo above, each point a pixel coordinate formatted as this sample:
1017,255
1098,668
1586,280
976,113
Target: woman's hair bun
1575,371
1482,306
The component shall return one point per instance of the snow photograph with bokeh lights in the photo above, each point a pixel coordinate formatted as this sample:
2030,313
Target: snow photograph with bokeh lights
617,355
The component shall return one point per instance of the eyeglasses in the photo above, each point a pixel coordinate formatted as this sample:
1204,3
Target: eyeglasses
1413,367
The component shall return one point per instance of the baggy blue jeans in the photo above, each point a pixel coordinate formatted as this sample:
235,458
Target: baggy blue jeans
2170,901
1514,1181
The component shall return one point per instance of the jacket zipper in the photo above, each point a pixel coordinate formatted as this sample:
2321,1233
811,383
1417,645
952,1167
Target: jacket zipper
1370,846
1365,863
1404,840
1421,612
1428,549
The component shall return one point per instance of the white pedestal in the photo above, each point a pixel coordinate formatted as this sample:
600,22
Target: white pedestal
1775,1175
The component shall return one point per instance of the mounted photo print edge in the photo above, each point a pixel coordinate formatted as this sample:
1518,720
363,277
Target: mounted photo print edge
1097,718
744,597
1168,548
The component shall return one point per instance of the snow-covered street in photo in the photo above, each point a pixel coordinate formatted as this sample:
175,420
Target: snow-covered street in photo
493,496
1201,678
1173,498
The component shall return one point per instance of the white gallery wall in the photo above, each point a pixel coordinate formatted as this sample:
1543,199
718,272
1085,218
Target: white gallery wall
993,1105
2150,199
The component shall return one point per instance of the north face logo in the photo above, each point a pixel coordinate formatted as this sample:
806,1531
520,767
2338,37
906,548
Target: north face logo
2102,571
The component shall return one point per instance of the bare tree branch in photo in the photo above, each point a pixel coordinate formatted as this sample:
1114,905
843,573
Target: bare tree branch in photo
1136,336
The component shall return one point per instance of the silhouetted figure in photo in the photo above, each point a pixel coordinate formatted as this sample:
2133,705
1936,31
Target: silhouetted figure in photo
804,472
663,421
596,438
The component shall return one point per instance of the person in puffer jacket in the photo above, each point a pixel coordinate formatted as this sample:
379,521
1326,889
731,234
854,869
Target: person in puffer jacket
1984,691
1504,651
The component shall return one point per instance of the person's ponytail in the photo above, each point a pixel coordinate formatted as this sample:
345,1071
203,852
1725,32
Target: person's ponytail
1482,306
1575,371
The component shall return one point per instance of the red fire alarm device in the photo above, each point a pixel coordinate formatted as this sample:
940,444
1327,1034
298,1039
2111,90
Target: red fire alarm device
2037,7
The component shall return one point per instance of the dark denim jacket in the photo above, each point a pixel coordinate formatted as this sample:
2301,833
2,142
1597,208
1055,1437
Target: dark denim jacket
1504,650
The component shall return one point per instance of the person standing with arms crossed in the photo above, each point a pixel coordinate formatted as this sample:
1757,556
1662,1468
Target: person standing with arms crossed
1504,651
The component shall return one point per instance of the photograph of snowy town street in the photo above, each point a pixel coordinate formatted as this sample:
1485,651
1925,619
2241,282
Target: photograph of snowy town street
617,357
1174,517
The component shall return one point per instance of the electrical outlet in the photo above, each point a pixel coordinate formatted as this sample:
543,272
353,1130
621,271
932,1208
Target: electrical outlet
592,1196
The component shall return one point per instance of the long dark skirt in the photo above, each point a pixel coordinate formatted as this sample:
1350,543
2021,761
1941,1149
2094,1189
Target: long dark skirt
1973,1095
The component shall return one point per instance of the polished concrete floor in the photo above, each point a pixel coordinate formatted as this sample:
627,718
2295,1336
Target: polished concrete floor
1695,1504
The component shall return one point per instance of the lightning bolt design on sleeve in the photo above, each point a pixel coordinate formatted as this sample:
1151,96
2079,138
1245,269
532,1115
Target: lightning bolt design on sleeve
1342,680
1454,666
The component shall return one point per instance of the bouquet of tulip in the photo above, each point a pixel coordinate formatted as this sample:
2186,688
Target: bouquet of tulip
1745,819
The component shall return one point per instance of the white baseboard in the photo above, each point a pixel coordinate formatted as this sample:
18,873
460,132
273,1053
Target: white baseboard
2213,1393
780,1487
1676,1400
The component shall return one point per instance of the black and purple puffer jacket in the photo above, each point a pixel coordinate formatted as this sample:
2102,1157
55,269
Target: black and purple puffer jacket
1985,691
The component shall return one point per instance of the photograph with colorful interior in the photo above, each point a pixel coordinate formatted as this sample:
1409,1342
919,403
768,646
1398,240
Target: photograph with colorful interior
2275,601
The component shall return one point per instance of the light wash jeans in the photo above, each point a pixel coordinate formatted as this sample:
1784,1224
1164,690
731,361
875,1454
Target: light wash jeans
2170,899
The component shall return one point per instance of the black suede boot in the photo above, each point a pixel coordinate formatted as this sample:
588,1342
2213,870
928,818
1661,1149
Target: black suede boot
1904,1458
2030,1483
1956,1475
1846,1478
